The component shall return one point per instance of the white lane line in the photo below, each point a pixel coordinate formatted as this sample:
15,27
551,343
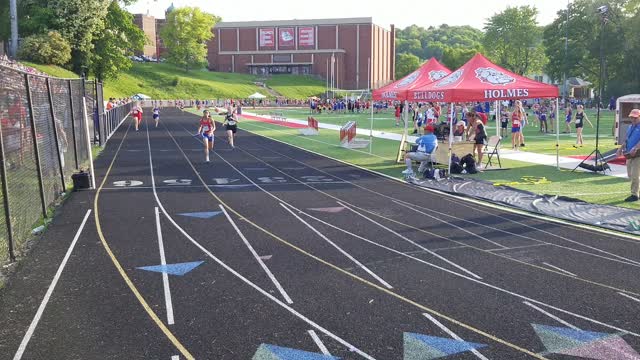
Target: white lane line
629,297
360,265
414,207
452,225
47,295
560,269
165,277
551,316
316,339
175,357
411,241
519,247
238,275
479,282
454,199
486,284
453,335
258,258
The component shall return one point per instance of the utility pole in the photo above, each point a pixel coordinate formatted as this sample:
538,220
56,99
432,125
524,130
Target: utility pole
13,14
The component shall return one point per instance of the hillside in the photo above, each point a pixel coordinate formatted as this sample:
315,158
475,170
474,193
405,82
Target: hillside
168,82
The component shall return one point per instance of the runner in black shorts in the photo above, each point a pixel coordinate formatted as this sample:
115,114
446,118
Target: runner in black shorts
504,123
231,124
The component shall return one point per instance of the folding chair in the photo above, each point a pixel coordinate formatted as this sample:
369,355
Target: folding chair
491,149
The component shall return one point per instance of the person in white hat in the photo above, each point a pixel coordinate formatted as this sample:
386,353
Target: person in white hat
631,150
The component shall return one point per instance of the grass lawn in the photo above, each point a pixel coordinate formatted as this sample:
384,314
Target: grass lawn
53,70
165,81
589,187
535,141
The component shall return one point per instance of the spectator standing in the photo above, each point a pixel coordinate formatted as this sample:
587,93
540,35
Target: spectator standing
631,150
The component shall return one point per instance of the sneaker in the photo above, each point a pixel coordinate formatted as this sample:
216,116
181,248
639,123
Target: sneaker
575,146
522,145
414,132
631,198
407,172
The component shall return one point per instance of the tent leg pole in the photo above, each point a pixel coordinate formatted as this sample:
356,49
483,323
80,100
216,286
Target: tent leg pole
451,122
557,134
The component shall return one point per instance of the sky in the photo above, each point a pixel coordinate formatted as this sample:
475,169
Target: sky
402,13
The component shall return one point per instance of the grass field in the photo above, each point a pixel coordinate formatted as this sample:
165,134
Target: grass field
535,141
589,187
165,81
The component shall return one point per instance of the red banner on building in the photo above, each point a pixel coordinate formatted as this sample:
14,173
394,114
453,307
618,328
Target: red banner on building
267,37
306,36
287,37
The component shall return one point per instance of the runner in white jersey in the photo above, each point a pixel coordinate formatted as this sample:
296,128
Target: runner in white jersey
156,115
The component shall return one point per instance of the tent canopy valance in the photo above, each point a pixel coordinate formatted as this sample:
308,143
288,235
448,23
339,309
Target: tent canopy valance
429,72
481,80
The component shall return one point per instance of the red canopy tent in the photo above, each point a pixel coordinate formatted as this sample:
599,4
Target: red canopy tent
481,80
429,72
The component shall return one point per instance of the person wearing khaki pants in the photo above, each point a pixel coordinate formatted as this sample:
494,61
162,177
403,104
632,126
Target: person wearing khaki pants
631,150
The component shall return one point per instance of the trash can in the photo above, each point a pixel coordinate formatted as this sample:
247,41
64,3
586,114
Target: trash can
81,180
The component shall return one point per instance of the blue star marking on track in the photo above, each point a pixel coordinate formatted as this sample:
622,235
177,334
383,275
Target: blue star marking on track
424,347
272,352
202,215
173,269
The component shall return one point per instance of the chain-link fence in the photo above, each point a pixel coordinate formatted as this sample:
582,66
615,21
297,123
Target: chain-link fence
47,126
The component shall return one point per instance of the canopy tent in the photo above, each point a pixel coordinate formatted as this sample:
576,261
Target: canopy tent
257,96
141,97
429,72
481,80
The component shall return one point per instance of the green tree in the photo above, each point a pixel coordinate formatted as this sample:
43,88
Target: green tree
514,40
48,49
405,64
454,58
185,35
120,38
582,59
433,41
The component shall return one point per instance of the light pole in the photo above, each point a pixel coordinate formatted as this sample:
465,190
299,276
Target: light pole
13,14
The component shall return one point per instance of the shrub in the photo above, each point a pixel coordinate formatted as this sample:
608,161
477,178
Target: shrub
48,49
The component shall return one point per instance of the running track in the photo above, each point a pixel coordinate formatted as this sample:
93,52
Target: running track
290,250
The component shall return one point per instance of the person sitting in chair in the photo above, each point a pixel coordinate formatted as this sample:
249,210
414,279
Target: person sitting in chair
427,145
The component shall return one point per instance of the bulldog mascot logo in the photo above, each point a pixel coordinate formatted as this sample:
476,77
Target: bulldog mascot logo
410,79
493,76
435,75
455,76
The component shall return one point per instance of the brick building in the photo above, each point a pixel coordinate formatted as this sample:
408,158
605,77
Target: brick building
148,25
307,47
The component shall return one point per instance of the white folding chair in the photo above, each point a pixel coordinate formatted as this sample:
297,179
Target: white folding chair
492,148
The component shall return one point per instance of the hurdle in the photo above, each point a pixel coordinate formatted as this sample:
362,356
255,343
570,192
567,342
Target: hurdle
348,137
312,127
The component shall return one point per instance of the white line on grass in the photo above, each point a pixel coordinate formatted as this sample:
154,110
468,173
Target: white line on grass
258,259
316,339
360,265
165,276
453,335
560,269
411,241
47,295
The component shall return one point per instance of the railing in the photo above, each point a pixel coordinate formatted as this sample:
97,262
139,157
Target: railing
45,137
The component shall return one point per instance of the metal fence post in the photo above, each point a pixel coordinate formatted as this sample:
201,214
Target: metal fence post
34,137
73,128
55,135
5,197
89,147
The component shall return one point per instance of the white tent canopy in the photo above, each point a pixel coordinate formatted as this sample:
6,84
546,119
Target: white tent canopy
256,96
141,97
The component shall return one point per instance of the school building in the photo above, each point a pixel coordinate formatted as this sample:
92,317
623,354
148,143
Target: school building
358,53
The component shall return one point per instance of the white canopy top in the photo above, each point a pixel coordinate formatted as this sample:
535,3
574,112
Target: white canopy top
257,96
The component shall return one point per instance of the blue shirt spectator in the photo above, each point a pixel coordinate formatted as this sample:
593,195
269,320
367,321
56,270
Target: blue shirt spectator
427,143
